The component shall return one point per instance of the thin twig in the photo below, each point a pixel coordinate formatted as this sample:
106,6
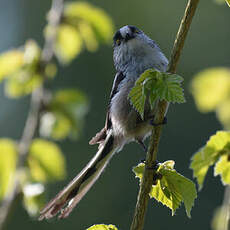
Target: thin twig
147,180
36,101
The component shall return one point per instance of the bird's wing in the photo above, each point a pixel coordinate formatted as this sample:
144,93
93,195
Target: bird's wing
100,136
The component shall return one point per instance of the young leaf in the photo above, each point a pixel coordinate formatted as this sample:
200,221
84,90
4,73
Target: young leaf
8,159
102,227
65,114
222,168
172,189
218,145
22,83
138,99
68,44
33,198
95,17
27,77
153,85
207,93
46,162
10,62
223,113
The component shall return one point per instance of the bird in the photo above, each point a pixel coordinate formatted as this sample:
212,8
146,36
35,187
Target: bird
133,53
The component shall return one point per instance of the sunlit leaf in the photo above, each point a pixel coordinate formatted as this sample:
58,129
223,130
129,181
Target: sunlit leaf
102,227
46,161
32,53
172,189
50,70
218,145
68,44
33,198
223,113
222,168
55,125
211,87
22,83
8,158
228,2
27,77
65,114
156,85
88,36
10,62
98,20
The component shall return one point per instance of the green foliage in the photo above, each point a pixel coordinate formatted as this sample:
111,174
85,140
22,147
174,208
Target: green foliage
21,70
210,89
68,44
33,198
216,149
82,24
45,161
102,227
65,113
155,85
8,159
172,189
222,168
10,62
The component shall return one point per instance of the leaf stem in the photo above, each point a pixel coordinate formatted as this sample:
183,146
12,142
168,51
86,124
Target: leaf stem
37,97
151,157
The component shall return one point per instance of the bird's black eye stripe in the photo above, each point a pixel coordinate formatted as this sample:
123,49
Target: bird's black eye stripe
117,36
134,29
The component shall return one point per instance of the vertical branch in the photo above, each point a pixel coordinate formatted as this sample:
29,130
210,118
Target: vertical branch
37,97
225,210
146,182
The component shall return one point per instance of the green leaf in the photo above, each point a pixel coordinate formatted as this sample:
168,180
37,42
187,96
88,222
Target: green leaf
138,98
22,83
68,44
77,12
102,227
207,93
33,198
218,145
27,78
46,161
228,2
222,168
10,62
8,159
223,113
172,188
65,114
154,85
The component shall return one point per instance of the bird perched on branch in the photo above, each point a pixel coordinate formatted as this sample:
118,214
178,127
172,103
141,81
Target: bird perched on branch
134,52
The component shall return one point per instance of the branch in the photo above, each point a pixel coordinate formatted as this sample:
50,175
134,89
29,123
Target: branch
147,180
37,97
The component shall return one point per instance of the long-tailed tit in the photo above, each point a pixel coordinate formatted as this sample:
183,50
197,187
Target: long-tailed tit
134,52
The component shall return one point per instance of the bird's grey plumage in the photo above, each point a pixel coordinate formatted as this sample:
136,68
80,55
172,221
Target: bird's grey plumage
134,52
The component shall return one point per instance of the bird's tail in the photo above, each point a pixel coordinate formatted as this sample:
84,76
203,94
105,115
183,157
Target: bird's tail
68,198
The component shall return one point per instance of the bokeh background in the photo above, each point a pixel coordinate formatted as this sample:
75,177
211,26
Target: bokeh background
113,198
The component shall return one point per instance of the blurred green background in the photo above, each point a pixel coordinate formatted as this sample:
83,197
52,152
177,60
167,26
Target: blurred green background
113,198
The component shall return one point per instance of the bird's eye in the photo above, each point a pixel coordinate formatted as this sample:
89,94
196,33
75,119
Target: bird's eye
118,41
